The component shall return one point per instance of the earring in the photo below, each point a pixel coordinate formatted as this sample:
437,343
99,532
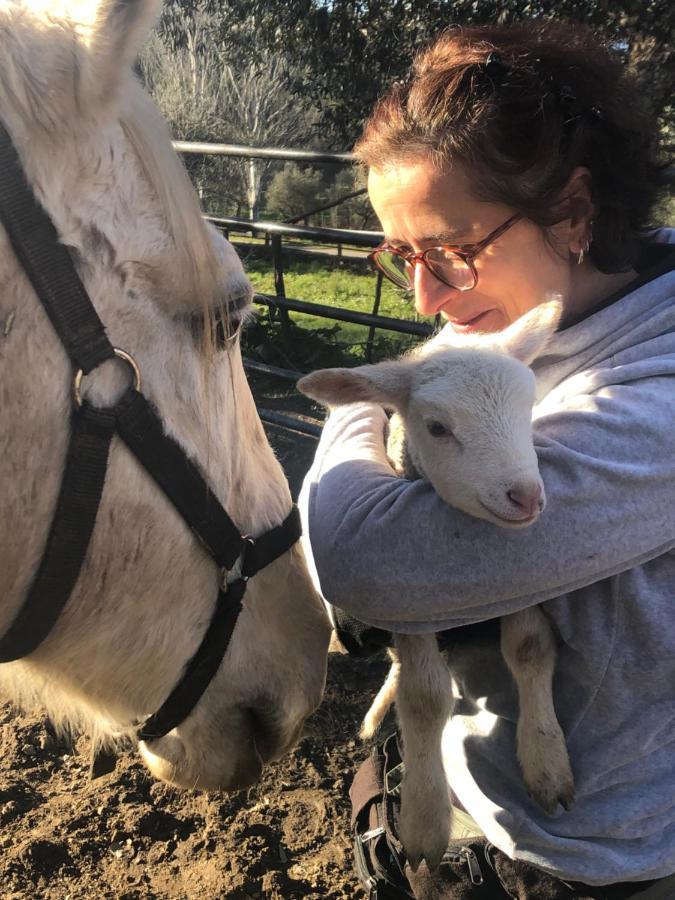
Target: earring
582,252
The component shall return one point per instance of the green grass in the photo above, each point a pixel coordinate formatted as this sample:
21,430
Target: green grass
314,341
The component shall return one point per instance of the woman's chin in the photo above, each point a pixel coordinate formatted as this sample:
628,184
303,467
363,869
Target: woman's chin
487,322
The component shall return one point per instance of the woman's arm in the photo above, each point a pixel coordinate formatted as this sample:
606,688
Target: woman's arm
390,552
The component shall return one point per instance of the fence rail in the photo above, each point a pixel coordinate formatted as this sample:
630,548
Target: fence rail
275,232
316,156
322,235
370,320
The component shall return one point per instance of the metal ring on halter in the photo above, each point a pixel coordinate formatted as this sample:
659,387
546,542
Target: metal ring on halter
120,354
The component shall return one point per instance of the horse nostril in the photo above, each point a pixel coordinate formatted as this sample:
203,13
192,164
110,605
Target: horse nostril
265,730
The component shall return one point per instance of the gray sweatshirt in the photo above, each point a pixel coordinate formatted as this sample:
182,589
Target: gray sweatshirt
601,559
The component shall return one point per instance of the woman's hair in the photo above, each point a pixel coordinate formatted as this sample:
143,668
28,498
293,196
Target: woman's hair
521,106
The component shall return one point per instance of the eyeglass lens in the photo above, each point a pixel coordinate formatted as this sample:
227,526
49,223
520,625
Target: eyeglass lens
451,269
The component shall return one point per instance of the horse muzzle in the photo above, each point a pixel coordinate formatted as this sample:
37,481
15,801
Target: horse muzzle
211,762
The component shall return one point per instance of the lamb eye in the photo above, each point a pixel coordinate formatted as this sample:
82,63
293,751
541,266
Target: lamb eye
437,429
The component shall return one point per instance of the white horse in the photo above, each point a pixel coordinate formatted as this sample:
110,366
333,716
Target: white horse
99,160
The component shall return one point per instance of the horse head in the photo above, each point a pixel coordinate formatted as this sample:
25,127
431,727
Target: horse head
99,161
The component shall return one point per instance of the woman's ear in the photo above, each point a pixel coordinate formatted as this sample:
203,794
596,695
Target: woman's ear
577,195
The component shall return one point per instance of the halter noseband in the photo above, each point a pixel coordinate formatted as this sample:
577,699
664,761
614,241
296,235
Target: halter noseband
52,274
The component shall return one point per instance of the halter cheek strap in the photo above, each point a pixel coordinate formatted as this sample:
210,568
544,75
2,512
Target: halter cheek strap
52,274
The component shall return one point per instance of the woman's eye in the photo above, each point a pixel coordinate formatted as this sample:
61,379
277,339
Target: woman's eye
437,429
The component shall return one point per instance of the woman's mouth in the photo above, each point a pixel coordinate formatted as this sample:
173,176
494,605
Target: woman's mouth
476,323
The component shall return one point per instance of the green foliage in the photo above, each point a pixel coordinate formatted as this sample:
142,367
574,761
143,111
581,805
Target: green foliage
307,72
293,191
356,212
347,51
314,341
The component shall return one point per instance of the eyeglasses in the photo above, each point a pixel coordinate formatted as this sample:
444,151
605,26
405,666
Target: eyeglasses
453,266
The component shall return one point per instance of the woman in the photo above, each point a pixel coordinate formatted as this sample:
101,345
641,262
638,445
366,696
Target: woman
517,163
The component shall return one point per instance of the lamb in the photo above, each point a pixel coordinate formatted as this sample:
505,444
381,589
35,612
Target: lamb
463,411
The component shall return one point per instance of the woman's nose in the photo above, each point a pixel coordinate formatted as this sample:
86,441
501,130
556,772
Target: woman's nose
431,295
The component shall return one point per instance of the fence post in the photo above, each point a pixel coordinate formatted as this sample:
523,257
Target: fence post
279,287
376,309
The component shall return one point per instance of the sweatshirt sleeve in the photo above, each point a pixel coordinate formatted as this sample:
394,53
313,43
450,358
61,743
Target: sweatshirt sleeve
393,554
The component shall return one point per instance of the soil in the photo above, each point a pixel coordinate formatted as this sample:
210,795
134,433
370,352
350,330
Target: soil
125,836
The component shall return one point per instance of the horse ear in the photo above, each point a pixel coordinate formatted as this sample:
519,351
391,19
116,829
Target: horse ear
386,383
526,338
113,41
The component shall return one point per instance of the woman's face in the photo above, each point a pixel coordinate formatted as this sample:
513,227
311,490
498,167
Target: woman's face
420,207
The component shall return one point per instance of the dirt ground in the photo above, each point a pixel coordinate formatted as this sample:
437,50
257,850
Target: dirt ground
125,836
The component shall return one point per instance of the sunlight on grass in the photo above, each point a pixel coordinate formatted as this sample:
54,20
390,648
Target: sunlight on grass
335,284
316,341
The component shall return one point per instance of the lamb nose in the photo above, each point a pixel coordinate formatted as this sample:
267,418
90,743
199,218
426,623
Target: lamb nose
528,499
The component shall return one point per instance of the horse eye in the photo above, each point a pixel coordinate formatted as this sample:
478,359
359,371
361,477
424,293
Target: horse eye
437,429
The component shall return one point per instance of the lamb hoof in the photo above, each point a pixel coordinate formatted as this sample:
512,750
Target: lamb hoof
547,772
567,795
432,855
424,829
553,792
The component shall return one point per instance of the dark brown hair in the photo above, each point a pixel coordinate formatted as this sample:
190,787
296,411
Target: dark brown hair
523,105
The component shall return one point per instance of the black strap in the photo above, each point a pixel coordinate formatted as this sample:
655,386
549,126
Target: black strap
52,274
258,553
48,265
141,429
201,668
261,551
72,526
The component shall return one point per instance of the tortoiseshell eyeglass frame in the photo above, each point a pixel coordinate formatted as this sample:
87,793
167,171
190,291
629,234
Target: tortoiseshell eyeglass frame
465,252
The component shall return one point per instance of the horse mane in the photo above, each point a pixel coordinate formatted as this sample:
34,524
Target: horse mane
147,133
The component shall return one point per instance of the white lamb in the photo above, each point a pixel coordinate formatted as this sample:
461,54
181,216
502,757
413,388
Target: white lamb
463,422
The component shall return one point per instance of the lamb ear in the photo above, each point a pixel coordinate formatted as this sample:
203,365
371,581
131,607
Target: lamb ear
386,383
527,337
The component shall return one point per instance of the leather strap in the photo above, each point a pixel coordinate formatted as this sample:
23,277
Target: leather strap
51,271
204,664
201,668
141,430
48,265
72,527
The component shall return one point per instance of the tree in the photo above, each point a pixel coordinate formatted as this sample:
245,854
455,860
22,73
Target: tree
356,211
261,111
346,52
209,91
307,72
293,191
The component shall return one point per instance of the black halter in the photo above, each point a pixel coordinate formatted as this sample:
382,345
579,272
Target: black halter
50,269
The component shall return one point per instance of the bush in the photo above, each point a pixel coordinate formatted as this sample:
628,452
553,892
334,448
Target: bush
294,190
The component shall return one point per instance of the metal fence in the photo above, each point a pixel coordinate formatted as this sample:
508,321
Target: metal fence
274,232
280,304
